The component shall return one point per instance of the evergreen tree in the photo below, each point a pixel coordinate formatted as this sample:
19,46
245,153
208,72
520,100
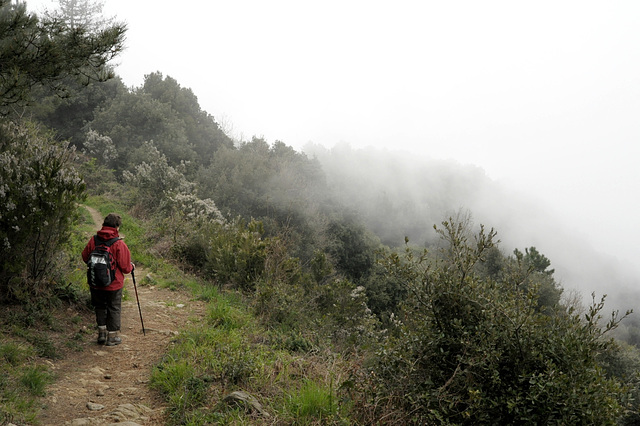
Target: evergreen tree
39,186
83,13
47,52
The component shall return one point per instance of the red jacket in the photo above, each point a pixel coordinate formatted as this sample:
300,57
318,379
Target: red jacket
120,253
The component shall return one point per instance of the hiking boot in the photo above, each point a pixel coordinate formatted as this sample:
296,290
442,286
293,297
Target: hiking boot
102,334
113,339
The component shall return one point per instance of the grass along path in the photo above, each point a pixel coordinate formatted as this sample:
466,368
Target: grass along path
103,385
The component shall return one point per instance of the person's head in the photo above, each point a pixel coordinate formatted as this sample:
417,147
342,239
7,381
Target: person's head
113,220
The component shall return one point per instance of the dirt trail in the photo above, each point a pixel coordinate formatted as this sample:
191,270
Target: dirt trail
104,385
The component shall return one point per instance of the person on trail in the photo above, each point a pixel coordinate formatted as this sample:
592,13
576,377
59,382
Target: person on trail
107,301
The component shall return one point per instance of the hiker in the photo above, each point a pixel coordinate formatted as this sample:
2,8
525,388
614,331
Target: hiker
107,299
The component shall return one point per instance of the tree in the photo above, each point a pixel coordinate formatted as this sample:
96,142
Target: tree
534,267
154,180
133,118
39,186
275,184
47,52
535,260
203,133
352,248
83,13
100,147
69,115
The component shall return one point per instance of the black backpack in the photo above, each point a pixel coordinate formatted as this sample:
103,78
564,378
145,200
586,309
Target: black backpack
101,267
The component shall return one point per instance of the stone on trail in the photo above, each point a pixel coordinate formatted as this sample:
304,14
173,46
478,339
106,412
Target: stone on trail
123,415
97,371
243,399
94,407
128,412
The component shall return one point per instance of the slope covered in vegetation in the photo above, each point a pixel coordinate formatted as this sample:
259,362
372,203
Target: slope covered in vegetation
317,308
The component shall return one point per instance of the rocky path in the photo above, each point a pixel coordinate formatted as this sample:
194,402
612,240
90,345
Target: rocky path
103,385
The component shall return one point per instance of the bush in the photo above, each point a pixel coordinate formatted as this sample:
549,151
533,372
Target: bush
466,350
39,188
236,254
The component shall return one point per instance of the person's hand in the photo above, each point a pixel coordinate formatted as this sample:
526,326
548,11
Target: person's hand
133,266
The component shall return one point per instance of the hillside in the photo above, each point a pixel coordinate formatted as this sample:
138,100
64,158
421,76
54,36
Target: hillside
325,287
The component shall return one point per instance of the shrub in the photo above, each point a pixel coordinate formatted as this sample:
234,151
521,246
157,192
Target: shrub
466,350
39,188
236,254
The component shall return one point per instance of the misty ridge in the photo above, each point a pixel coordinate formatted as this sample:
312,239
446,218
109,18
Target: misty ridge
400,194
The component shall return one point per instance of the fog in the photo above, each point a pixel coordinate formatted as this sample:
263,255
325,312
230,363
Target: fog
401,194
524,113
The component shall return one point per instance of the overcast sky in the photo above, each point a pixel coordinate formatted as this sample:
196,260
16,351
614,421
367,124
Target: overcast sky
542,95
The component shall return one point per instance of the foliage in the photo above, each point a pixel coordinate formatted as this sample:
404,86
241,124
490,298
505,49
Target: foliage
281,294
70,116
530,269
203,133
534,260
154,179
384,293
344,317
133,118
38,191
82,13
231,253
99,179
46,52
236,254
466,350
100,147
163,113
352,247
624,365
273,184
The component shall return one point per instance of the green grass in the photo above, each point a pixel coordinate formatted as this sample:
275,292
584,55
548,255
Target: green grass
22,383
14,353
230,351
35,379
206,293
311,403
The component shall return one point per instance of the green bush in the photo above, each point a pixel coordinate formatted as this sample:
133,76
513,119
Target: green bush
236,254
39,188
470,351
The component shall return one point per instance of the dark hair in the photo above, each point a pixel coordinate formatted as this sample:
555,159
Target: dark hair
113,220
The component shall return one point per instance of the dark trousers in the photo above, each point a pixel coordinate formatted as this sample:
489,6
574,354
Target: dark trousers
108,305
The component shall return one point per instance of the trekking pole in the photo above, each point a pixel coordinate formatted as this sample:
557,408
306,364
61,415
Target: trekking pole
133,276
